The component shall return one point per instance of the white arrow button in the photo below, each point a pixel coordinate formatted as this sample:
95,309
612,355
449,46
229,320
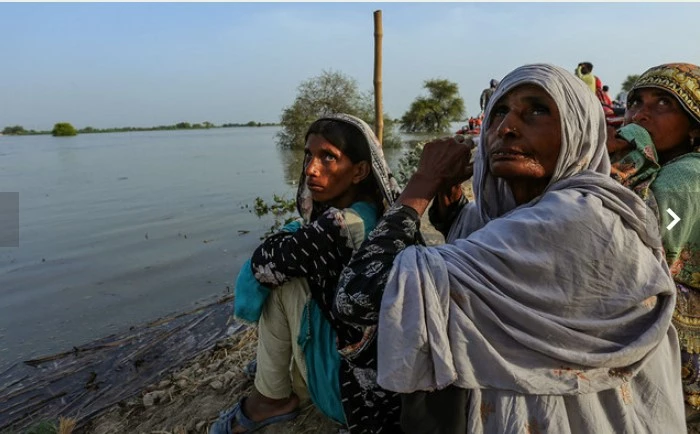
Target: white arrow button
676,219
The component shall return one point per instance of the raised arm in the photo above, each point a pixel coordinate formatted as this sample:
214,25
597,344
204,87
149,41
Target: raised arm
444,163
362,282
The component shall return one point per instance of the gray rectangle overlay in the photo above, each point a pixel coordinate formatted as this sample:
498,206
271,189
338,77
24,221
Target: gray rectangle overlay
9,219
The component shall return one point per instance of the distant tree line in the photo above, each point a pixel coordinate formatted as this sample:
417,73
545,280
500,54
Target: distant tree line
19,130
63,130
251,124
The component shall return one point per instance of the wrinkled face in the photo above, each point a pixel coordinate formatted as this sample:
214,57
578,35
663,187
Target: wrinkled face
524,134
330,174
660,113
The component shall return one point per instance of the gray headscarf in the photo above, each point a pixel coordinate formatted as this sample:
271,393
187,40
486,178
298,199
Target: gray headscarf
553,312
582,126
385,180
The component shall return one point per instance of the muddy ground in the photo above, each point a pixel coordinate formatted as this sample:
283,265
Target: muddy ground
190,399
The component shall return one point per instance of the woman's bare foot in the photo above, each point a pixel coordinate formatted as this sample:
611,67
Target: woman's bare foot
258,407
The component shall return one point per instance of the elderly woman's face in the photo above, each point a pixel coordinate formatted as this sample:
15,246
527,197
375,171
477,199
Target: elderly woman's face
524,134
660,113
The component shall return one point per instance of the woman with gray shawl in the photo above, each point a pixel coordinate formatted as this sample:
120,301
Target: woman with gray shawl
549,308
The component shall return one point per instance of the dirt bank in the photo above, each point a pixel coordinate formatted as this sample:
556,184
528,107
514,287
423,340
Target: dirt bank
189,399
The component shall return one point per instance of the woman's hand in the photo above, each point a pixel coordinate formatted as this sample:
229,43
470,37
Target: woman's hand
444,164
615,143
447,197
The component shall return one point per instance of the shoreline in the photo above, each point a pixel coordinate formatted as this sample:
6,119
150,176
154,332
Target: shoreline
138,389
190,399
142,129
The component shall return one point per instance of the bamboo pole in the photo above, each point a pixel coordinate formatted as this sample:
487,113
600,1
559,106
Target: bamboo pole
378,109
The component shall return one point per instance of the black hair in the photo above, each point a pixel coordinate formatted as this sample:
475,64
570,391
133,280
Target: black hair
343,136
351,142
605,88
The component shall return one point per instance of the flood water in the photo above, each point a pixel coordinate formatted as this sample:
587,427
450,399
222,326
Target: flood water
119,229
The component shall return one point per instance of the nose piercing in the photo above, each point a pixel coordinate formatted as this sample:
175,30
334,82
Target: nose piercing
506,130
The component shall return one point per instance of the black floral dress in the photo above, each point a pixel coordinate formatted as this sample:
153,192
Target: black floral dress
358,308
319,251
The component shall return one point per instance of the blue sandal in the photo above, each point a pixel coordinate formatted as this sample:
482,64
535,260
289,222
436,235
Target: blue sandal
235,414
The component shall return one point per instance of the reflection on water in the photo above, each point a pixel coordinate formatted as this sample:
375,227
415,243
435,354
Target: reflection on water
118,229
292,161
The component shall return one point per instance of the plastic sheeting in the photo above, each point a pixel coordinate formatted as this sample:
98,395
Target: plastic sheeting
87,380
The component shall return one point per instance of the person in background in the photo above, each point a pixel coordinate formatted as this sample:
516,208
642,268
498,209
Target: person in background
584,71
657,154
549,307
607,101
620,100
288,285
486,94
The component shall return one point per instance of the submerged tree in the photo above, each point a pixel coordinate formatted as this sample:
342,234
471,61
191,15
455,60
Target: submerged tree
15,130
62,129
330,92
435,112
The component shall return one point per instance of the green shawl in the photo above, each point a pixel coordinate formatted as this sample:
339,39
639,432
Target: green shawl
674,186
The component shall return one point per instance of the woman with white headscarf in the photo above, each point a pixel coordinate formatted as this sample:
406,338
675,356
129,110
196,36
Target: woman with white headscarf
549,308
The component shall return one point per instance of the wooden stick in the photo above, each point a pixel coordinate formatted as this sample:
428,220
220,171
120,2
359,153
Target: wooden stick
378,109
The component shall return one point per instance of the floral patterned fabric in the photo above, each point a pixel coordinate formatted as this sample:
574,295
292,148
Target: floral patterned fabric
675,186
358,305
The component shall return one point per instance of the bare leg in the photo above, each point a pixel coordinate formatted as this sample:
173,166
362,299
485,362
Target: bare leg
280,360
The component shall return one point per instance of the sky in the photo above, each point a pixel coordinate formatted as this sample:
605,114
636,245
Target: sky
145,64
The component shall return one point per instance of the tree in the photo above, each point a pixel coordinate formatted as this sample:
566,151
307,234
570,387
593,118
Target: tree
63,129
330,92
629,82
16,130
435,112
